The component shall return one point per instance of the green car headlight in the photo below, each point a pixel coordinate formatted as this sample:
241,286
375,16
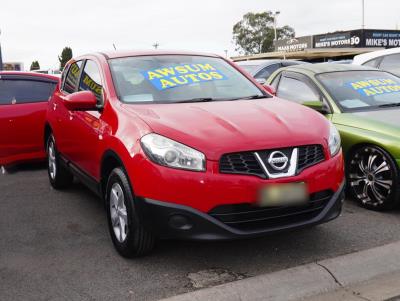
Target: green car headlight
334,140
167,152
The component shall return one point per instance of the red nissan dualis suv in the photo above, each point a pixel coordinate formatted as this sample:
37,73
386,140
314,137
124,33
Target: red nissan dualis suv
188,146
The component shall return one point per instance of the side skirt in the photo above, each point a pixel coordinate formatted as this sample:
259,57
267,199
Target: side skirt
85,178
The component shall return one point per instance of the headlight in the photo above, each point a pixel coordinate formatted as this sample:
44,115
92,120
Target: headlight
334,140
167,152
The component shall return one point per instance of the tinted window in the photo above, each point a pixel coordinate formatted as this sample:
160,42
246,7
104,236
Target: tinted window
267,71
91,80
175,78
372,63
296,90
391,63
362,90
24,91
71,81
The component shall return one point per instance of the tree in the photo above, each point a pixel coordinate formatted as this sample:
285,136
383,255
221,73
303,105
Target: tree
255,33
35,66
66,55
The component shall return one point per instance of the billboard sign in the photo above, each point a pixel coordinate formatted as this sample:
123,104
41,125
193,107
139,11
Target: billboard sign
294,44
344,39
382,38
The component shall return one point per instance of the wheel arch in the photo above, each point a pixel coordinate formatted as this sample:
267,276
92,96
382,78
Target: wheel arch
47,132
109,161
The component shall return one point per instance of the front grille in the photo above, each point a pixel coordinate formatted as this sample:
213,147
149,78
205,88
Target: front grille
245,163
251,217
309,155
241,163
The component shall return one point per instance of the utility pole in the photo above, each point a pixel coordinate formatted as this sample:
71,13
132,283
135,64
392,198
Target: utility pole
156,45
275,14
363,15
1,58
226,53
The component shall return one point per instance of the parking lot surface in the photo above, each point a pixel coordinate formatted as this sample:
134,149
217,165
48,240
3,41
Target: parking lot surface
55,245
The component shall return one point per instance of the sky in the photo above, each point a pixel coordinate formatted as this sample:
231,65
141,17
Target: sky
40,29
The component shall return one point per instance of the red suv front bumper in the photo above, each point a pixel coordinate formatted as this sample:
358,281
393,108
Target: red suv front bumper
211,205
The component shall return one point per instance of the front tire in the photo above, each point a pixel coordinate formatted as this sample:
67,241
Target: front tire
129,236
373,178
59,176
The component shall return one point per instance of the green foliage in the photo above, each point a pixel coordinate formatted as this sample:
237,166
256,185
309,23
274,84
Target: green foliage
65,56
255,33
35,66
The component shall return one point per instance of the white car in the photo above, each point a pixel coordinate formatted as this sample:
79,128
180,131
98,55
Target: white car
387,60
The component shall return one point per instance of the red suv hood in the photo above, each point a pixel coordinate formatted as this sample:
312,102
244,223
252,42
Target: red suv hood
215,128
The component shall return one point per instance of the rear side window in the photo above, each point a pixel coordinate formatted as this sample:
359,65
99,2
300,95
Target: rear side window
71,80
373,63
391,63
16,91
296,90
91,80
267,71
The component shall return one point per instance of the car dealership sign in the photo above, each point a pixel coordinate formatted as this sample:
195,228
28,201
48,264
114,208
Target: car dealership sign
294,44
338,40
342,39
382,38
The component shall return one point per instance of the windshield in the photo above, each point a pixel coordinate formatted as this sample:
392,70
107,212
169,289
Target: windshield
362,90
178,78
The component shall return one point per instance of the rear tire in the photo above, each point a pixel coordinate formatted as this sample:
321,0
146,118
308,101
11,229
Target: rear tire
373,178
59,176
129,236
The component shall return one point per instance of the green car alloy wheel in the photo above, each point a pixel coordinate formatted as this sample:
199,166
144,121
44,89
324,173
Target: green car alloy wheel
364,105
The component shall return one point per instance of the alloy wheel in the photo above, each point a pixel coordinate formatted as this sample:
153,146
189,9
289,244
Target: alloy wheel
118,212
371,176
52,160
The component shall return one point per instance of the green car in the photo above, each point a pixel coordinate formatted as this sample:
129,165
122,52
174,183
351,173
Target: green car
364,105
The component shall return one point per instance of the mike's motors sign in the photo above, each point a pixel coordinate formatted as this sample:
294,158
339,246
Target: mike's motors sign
382,38
358,38
345,39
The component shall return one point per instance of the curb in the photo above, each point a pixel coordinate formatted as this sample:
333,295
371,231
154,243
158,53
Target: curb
306,280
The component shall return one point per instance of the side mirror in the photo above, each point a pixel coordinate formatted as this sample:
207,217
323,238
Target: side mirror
81,101
318,106
271,90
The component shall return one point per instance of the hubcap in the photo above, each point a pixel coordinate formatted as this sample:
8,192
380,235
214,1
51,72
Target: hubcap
52,160
371,176
119,217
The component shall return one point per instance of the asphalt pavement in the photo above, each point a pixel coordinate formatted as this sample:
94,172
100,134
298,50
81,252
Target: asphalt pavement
55,246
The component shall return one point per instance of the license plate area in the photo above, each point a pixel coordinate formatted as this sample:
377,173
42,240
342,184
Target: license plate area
288,194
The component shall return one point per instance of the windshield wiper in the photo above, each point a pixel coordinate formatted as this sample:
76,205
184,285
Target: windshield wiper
200,99
250,97
388,105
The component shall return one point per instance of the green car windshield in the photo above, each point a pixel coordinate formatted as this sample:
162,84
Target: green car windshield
362,90
179,78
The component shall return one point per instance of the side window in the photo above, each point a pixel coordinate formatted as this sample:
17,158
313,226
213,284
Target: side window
91,80
391,63
267,71
296,90
16,91
373,63
71,80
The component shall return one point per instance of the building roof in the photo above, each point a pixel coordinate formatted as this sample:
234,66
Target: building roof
307,54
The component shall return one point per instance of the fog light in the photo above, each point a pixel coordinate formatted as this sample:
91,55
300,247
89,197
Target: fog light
180,222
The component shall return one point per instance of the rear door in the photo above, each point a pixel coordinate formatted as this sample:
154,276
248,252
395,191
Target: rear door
23,101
